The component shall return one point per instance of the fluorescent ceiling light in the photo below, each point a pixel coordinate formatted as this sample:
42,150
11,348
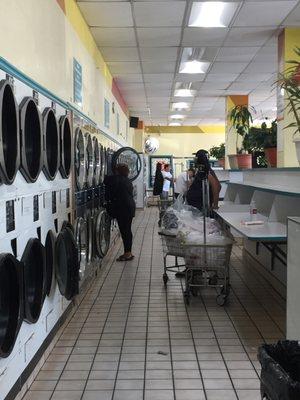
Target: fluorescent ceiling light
194,67
175,124
184,93
212,14
180,106
177,116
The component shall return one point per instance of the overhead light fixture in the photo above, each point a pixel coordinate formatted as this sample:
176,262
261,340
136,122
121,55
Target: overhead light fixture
175,124
177,116
192,61
212,14
184,93
180,106
194,67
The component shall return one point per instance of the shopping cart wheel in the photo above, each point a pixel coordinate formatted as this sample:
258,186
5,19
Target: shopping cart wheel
165,279
186,298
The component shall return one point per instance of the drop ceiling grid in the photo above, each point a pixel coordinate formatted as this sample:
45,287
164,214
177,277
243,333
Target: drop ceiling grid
142,42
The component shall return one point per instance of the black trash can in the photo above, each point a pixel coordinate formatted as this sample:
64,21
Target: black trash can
280,374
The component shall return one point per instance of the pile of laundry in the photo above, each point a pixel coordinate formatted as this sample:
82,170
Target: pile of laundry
187,222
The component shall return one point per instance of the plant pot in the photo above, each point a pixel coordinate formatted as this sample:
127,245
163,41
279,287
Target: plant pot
233,163
221,162
271,156
244,161
297,144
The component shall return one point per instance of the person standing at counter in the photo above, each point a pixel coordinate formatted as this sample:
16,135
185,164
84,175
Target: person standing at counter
121,205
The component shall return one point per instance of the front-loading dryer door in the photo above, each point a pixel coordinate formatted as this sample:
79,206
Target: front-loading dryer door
130,157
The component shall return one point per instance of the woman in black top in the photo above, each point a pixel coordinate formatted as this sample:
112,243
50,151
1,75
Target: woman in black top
121,205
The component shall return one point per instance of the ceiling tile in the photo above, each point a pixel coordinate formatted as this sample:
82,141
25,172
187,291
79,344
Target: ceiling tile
241,87
215,85
204,36
130,86
156,67
248,36
120,54
294,18
253,77
107,14
124,67
164,13
127,78
237,54
221,77
112,37
158,37
264,13
158,77
261,67
230,67
159,53
161,85
158,92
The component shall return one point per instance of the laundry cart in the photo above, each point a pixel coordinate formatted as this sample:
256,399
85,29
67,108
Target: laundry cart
207,265
172,246
162,208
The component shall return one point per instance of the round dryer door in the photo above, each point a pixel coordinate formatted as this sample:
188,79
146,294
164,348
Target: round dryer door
9,133
89,226
65,147
51,144
104,161
34,262
89,160
81,240
11,302
50,258
102,228
128,156
80,167
32,140
97,162
102,164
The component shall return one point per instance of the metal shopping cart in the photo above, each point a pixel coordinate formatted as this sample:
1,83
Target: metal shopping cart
172,246
162,208
207,265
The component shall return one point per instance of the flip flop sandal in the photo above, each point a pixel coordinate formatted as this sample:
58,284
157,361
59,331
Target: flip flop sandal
123,258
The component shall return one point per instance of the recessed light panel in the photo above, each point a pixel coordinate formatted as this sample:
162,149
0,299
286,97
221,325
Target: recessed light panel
194,67
184,93
180,106
212,14
177,116
175,124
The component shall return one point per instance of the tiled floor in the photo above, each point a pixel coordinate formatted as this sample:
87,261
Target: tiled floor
132,339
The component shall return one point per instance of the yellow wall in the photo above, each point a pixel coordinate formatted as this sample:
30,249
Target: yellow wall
184,144
38,39
286,148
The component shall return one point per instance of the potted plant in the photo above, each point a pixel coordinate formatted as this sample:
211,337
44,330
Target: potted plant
218,152
270,144
240,117
289,82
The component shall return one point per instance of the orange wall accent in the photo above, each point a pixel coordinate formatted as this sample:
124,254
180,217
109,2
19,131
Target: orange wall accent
239,100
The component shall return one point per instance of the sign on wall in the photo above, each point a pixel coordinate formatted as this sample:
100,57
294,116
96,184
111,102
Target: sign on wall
77,82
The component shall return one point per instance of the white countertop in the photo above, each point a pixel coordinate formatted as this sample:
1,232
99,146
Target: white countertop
268,231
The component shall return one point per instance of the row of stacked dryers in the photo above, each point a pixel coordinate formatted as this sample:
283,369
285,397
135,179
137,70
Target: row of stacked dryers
45,244
92,225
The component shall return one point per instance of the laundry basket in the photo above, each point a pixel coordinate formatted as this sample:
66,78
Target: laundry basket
207,265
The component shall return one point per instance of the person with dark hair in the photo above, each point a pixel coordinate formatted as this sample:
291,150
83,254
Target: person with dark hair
121,205
158,181
194,194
